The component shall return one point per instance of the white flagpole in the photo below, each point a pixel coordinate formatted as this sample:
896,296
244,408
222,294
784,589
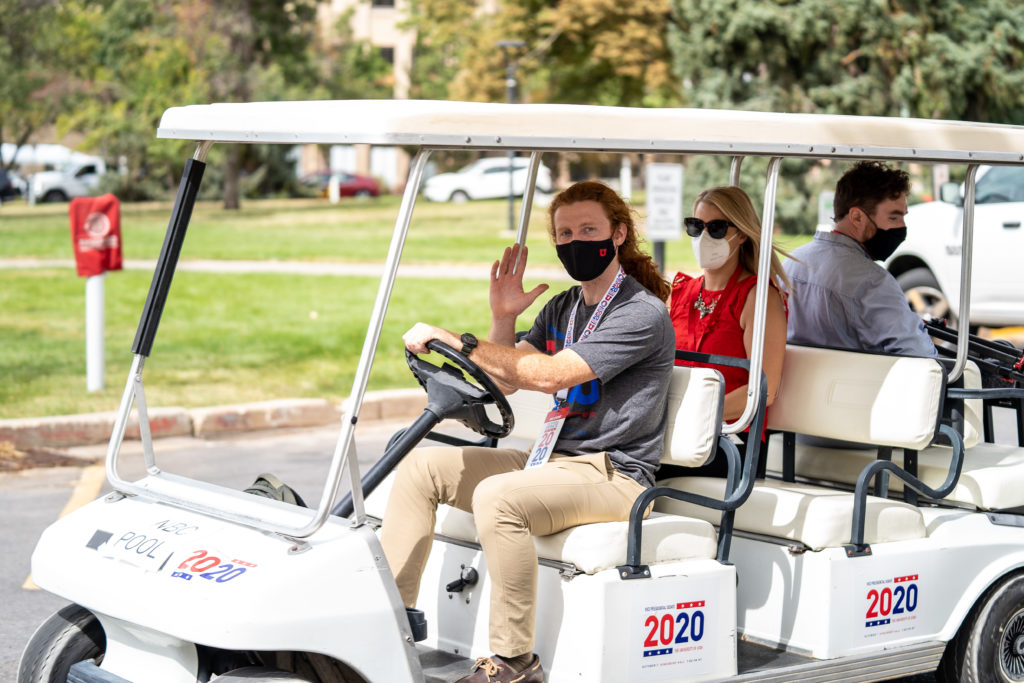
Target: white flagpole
95,357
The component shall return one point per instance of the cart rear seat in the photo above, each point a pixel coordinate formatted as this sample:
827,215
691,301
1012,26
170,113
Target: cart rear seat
992,477
694,421
867,398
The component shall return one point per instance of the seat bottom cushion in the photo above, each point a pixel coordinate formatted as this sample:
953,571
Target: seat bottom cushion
992,476
812,515
590,547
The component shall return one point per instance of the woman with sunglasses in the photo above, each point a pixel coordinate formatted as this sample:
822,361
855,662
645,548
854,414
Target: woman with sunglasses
714,312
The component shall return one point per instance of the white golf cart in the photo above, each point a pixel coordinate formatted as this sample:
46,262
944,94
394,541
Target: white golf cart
802,576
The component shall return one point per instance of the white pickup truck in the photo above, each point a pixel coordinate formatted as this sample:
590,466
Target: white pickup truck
77,177
927,264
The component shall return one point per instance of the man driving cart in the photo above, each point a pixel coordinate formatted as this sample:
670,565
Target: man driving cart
605,350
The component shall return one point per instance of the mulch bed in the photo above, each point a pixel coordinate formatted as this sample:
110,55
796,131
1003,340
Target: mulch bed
15,460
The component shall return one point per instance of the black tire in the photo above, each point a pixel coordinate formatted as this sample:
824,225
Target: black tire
72,635
924,295
989,647
363,194
55,196
459,197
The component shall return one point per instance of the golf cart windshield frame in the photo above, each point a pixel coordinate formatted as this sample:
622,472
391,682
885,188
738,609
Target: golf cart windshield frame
434,126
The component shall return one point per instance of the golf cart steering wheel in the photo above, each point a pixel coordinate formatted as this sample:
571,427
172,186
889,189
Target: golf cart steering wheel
451,395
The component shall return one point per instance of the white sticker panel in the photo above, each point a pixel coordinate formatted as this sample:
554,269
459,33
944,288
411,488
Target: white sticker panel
672,630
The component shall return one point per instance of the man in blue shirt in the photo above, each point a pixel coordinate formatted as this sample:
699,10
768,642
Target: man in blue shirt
839,296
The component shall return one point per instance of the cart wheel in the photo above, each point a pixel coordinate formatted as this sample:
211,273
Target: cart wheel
990,645
72,635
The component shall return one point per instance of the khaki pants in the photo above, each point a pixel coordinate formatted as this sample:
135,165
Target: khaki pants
510,505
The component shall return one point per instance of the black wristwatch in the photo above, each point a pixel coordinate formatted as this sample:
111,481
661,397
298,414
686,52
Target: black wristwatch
469,343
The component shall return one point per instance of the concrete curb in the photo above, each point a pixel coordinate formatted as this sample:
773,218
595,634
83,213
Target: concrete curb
91,428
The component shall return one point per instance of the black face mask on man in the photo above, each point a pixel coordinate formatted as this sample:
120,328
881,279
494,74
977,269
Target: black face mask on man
883,243
585,260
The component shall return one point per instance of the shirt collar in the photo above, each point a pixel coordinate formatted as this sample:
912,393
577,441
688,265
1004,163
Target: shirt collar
842,240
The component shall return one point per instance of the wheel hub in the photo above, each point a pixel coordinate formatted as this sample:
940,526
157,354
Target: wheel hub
1011,659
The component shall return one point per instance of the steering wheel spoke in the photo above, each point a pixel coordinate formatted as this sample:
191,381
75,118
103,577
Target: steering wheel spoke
455,397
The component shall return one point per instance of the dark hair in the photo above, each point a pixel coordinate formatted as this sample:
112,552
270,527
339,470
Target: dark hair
635,262
868,184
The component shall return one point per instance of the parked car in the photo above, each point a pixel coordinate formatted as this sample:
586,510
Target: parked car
349,184
76,178
927,264
485,179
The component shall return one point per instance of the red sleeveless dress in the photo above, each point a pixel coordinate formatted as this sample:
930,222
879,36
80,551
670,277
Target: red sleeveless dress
719,331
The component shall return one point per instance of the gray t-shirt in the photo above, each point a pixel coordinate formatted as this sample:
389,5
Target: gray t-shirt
632,352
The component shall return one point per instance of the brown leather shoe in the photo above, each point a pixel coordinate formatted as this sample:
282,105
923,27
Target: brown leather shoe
496,670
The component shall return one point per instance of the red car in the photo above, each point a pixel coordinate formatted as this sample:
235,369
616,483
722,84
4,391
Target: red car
349,184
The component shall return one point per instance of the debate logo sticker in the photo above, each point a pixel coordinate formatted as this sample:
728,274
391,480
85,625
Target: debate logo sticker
672,638
890,605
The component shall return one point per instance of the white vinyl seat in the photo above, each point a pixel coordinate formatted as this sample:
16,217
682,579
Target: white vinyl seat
814,516
992,477
694,418
868,398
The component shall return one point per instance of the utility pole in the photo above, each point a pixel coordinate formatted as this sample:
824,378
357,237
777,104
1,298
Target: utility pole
510,49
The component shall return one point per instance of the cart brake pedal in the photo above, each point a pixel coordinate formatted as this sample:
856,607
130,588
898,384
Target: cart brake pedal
417,623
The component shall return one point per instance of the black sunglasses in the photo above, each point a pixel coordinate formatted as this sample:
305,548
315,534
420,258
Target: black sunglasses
716,228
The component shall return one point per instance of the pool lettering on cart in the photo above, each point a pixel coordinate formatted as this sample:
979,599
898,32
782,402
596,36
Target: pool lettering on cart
143,550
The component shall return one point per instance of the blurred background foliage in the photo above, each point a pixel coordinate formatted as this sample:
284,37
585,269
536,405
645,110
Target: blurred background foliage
107,69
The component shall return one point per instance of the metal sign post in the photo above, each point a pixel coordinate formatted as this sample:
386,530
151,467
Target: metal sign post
664,207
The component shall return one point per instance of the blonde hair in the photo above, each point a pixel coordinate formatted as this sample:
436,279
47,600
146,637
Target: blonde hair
737,208
634,261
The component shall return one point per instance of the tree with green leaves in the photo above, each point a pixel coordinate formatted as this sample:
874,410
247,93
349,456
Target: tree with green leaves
38,80
936,59
585,51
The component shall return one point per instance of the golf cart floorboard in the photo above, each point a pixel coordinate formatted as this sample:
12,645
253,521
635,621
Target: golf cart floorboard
758,662
443,667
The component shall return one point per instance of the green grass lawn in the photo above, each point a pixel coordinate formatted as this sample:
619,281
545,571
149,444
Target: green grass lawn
234,338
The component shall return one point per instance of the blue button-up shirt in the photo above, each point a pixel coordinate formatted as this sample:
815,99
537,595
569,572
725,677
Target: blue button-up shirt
841,298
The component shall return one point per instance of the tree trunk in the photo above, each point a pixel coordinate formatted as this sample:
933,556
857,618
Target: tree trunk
231,167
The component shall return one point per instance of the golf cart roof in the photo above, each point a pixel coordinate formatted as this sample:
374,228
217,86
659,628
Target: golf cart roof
478,125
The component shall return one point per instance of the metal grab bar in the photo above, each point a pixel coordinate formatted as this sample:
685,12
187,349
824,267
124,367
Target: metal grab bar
764,265
857,547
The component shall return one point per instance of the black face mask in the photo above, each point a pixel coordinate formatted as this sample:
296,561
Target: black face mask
884,242
585,260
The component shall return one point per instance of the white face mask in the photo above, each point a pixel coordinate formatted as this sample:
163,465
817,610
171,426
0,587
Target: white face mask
710,253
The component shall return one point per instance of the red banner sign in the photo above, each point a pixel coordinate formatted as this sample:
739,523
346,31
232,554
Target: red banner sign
96,234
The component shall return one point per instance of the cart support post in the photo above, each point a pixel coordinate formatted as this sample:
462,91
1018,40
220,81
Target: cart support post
764,267
966,251
181,214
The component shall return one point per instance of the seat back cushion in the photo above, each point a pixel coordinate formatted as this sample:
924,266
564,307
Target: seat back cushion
973,426
530,409
862,397
695,400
